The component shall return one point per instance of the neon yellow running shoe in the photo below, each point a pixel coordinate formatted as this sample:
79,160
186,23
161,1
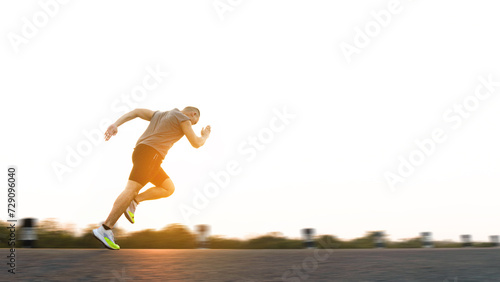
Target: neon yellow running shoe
106,237
130,212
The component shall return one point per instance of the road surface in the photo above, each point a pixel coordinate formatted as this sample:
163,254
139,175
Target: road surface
448,265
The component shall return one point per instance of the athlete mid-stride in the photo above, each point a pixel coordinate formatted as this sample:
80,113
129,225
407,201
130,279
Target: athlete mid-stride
165,128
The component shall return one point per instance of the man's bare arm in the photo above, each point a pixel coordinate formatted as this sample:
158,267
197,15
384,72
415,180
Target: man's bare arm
141,113
195,140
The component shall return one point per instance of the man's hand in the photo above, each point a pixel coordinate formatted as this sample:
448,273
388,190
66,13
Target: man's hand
112,130
205,132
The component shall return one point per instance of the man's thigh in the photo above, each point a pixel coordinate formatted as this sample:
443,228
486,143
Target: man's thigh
146,166
160,178
133,186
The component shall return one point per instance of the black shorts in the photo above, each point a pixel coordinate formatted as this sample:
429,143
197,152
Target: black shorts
147,166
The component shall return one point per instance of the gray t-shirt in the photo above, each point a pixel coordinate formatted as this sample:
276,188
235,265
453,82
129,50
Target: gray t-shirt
164,130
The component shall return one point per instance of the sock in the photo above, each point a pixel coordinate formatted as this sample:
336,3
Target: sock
106,227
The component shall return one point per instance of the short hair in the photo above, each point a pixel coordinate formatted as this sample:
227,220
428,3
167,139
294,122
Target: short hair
192,109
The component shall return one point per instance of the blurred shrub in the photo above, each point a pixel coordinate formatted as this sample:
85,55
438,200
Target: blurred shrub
52,234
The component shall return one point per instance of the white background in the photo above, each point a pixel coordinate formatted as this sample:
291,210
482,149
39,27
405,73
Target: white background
325,170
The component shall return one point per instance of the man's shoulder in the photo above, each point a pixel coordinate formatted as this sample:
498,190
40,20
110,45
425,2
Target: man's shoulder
171,115
157,114
176,112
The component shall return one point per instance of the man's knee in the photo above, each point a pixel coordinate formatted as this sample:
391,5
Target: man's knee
168,186
170,191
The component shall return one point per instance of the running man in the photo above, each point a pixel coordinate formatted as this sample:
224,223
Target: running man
165,128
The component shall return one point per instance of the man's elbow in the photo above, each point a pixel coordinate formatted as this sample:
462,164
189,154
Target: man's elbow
200,143
196,144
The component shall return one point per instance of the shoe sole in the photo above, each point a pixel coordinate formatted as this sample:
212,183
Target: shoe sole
105,245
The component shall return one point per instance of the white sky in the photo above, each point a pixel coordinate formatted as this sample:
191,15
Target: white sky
324,170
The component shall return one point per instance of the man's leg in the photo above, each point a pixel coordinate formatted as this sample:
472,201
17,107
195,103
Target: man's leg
122,202
166,189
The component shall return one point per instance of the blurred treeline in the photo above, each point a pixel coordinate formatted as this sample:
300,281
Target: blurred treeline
52,234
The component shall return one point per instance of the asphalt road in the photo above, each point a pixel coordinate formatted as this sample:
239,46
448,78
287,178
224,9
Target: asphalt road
448,265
